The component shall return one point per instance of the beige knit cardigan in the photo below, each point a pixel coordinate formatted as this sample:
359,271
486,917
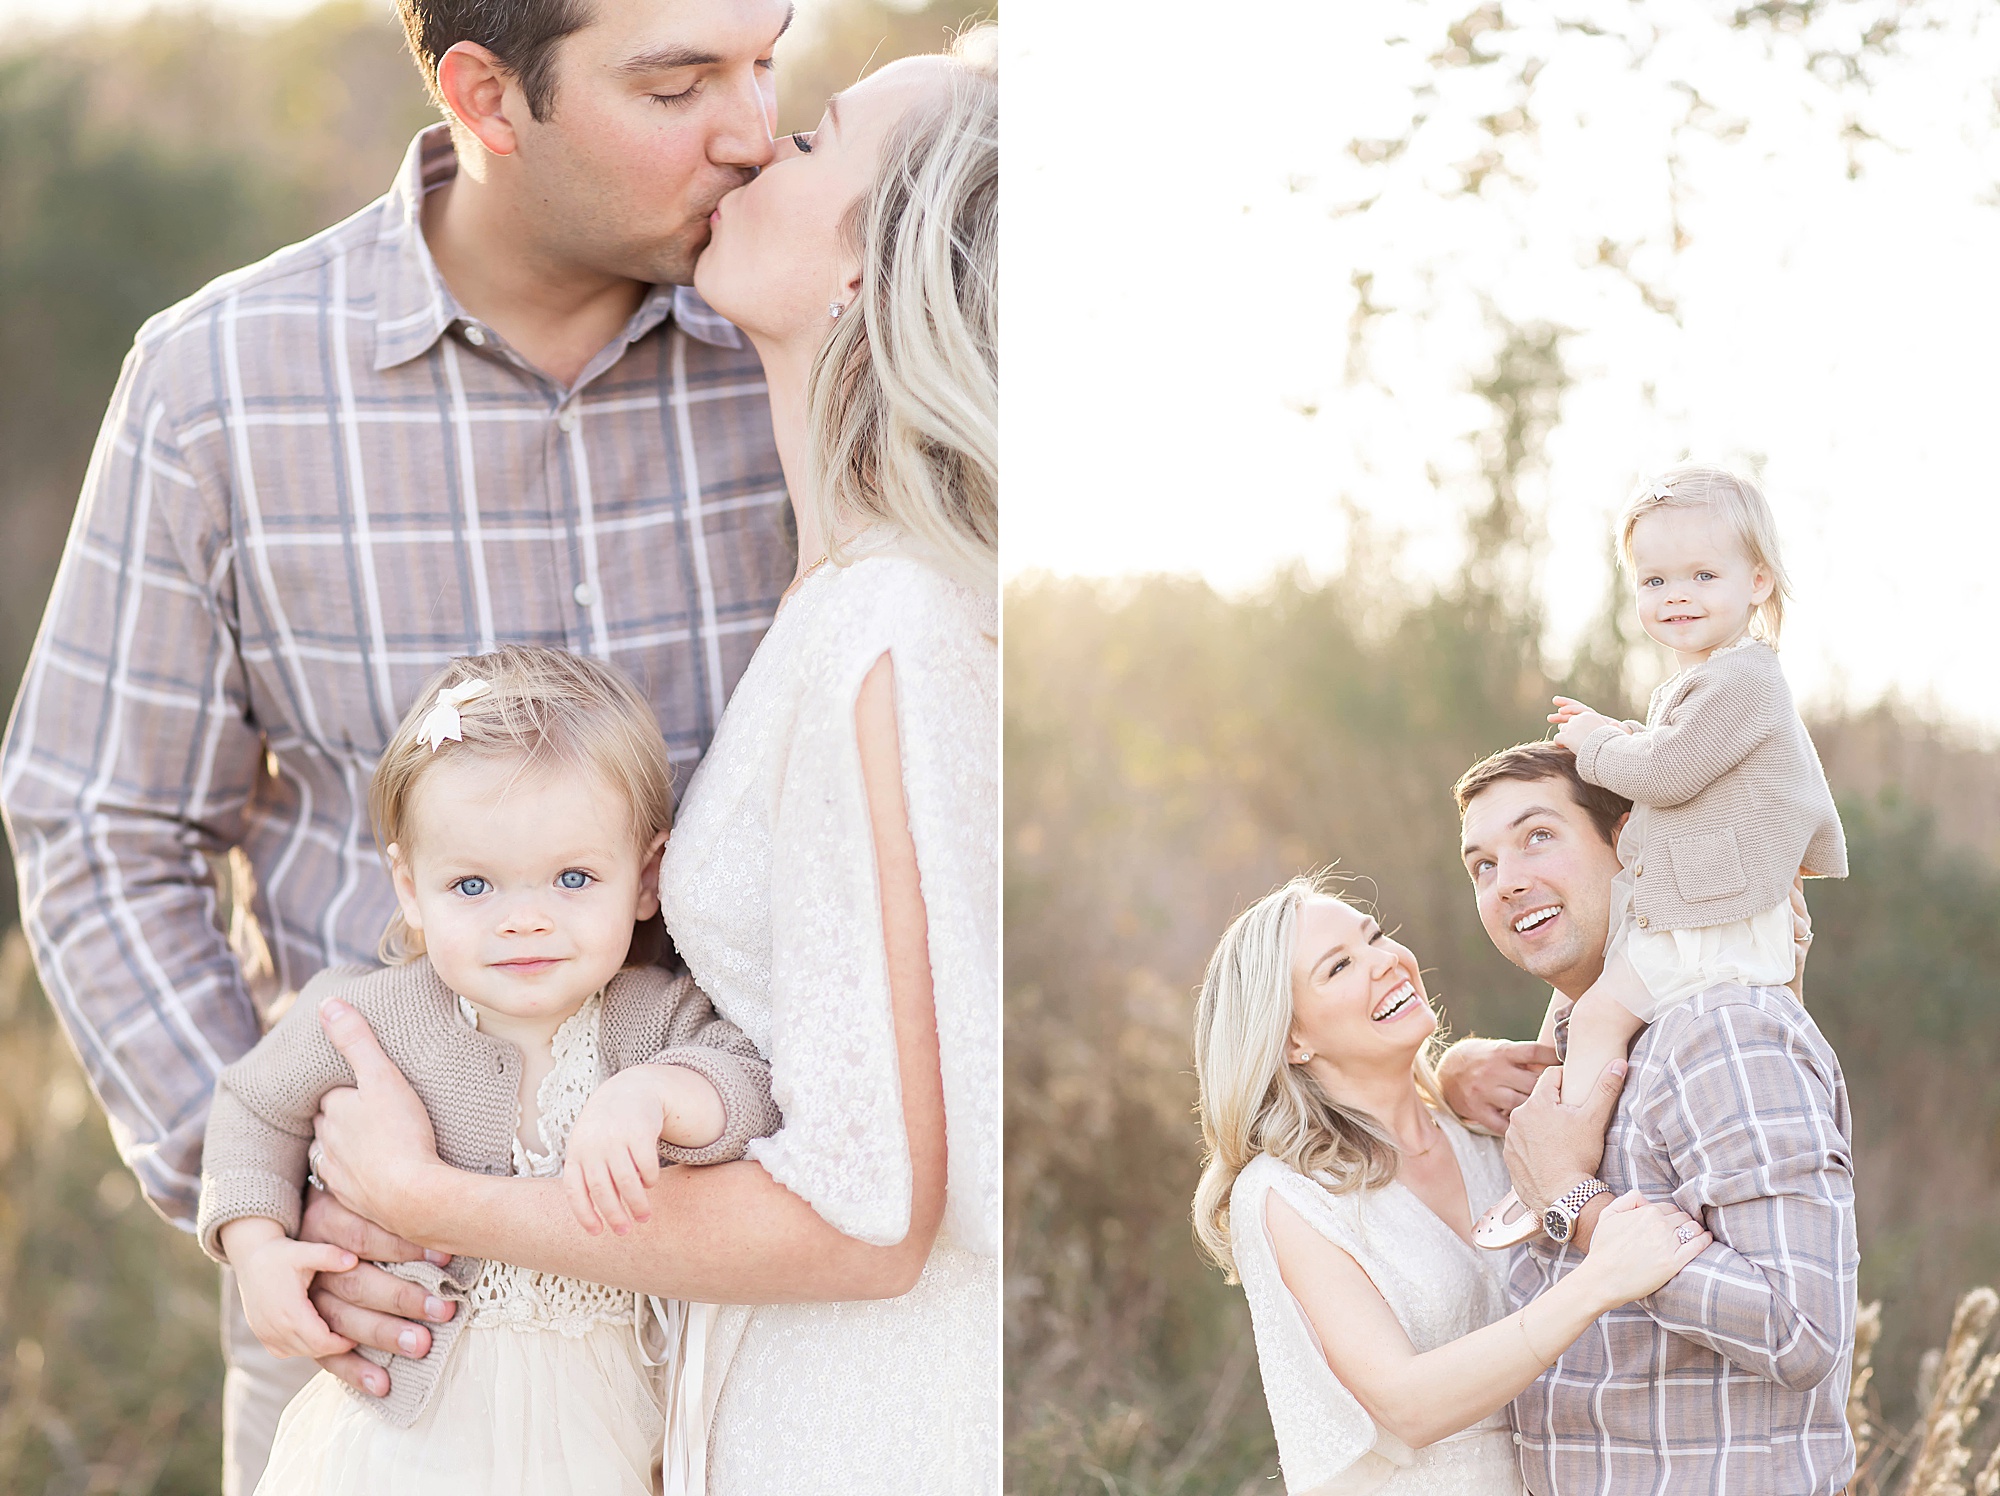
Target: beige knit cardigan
1729,800
261,1122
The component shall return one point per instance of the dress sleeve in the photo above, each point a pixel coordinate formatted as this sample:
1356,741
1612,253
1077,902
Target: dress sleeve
843,1146
1326,1440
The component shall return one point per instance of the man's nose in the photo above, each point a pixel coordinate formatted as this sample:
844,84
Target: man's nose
741,132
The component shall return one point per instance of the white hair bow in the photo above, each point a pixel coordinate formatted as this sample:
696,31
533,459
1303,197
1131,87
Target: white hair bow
442,721
1662,490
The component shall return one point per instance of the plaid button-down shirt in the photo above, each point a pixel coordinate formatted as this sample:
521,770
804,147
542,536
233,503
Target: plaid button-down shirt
318,481
1733,1377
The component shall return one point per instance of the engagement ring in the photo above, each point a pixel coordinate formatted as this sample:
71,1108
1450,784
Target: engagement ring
315,1156
1687,1233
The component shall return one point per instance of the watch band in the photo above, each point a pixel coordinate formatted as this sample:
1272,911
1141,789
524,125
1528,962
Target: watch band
1559,1220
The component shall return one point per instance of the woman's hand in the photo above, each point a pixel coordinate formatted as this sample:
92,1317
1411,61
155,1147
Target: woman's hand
1636,1248
376,1147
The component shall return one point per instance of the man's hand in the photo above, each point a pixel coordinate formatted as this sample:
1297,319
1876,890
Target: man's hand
364,1304
374,1144
1485,1079
1551,1144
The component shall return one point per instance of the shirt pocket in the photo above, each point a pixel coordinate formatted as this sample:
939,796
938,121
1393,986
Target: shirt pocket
1708,866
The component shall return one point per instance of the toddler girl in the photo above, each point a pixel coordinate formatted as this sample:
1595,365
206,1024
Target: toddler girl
522,806
1729,804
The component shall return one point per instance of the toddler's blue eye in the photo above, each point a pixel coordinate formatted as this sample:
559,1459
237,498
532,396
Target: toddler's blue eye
574,880
472,888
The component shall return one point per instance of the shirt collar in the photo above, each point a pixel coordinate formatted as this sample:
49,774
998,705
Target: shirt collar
415,307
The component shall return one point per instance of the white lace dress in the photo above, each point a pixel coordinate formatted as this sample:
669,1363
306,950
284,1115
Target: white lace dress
545,1394
769,889
1440,1287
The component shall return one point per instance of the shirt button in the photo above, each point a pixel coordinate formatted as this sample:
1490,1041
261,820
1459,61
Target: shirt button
585,595
475,335
567,420
1519,1440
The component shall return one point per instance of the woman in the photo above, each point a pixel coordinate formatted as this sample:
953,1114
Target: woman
1341,1192
833,876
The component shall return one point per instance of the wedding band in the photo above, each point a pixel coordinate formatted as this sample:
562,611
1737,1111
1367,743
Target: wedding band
1687,1233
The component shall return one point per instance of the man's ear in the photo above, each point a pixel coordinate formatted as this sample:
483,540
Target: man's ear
476,93
406,887
649,877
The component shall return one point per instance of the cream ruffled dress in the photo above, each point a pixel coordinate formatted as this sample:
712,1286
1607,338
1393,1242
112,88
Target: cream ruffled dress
546,1392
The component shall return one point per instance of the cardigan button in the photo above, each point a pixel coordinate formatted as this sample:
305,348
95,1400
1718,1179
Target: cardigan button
1642,921
1638,869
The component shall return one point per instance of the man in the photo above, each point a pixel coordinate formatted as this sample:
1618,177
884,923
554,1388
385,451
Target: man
477,412
1734,1376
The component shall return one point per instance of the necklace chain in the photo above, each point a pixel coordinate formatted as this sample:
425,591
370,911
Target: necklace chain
800,580
1437,1128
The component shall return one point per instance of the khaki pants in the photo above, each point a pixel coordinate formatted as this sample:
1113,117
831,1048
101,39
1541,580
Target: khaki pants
255,1389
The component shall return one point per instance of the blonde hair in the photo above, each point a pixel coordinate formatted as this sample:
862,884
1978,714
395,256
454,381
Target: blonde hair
1251,1100
1741,504
903,402
546,708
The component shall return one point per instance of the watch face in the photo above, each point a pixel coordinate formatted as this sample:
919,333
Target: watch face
1556,1224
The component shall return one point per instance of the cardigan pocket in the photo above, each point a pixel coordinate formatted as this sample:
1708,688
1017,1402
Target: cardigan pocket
1708,866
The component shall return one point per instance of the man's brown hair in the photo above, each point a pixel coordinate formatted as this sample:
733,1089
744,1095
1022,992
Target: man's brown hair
522,34
1533,762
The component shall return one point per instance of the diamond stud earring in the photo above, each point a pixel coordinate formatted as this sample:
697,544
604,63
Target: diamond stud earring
834,309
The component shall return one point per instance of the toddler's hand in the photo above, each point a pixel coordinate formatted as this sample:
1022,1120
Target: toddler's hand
1576,722
613,1156
273,1273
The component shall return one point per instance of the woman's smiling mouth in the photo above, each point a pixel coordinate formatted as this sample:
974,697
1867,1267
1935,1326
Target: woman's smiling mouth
1394,1003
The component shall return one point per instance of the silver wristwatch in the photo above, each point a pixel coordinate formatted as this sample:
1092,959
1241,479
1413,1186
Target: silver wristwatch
1560,1218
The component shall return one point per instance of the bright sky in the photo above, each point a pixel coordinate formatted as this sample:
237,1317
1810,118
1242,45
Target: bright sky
1179,295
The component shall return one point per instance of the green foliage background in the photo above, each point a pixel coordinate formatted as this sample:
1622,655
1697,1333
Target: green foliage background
137,162
1171,753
